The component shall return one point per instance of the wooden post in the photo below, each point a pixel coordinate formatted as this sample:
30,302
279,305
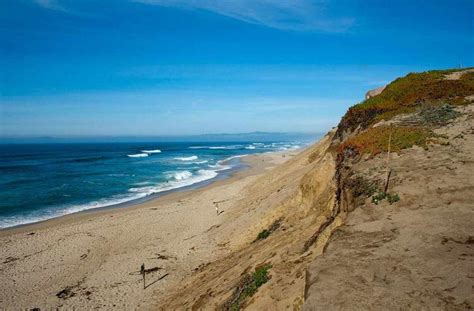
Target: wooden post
142,272
388,172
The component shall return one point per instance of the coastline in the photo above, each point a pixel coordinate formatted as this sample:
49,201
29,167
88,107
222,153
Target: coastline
100,249
242,164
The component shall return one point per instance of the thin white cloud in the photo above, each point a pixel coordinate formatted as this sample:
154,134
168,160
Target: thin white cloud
51,5
296,15
293,15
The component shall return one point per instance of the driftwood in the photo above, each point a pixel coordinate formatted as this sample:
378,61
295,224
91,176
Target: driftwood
144,272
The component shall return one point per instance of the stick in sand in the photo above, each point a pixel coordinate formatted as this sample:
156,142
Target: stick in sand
389,171
142,272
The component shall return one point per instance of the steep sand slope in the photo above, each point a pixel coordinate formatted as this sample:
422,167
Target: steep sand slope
416,254
300,194
413,254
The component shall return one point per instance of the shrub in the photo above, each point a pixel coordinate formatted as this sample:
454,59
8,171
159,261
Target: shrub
405,95
263,234
378,197
361,186
248,286
375,140
391,198
437,114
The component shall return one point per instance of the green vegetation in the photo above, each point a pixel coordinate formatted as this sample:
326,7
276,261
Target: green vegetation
437,114
391,198
248,286
361,186
375,140
405,95
265,233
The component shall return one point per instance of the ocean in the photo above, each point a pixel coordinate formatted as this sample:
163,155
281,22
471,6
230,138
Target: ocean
44,181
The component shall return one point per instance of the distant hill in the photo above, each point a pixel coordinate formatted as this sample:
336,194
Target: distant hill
229,137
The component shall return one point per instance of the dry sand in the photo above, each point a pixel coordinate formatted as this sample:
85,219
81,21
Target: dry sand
92,260
417,254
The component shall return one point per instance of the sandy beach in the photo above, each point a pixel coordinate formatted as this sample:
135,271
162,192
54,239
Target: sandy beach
314,220
92,259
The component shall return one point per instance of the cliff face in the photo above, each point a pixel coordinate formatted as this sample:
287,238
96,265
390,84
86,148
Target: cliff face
411,248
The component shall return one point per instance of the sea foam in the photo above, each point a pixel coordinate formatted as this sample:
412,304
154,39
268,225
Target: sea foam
191,158
177,180
151,151
138,155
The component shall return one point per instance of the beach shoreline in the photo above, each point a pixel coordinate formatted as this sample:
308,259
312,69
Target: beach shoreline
94,254
243,163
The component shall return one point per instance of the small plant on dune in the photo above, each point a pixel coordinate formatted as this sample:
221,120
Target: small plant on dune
263,234
378,197
391,198
437,114
247,287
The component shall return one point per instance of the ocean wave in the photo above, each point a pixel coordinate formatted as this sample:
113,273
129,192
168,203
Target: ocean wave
196,162
231,158
230,147
180,175
138,155
251,147
191,158
198,147
179,180
84,160
11,221
151,151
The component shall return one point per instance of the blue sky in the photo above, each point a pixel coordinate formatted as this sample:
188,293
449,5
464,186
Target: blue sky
169,67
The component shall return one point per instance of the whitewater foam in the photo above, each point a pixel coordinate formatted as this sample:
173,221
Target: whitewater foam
138,155
38,216
180,175
230,147
191,158
178,180
184,170
196,162
151,151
